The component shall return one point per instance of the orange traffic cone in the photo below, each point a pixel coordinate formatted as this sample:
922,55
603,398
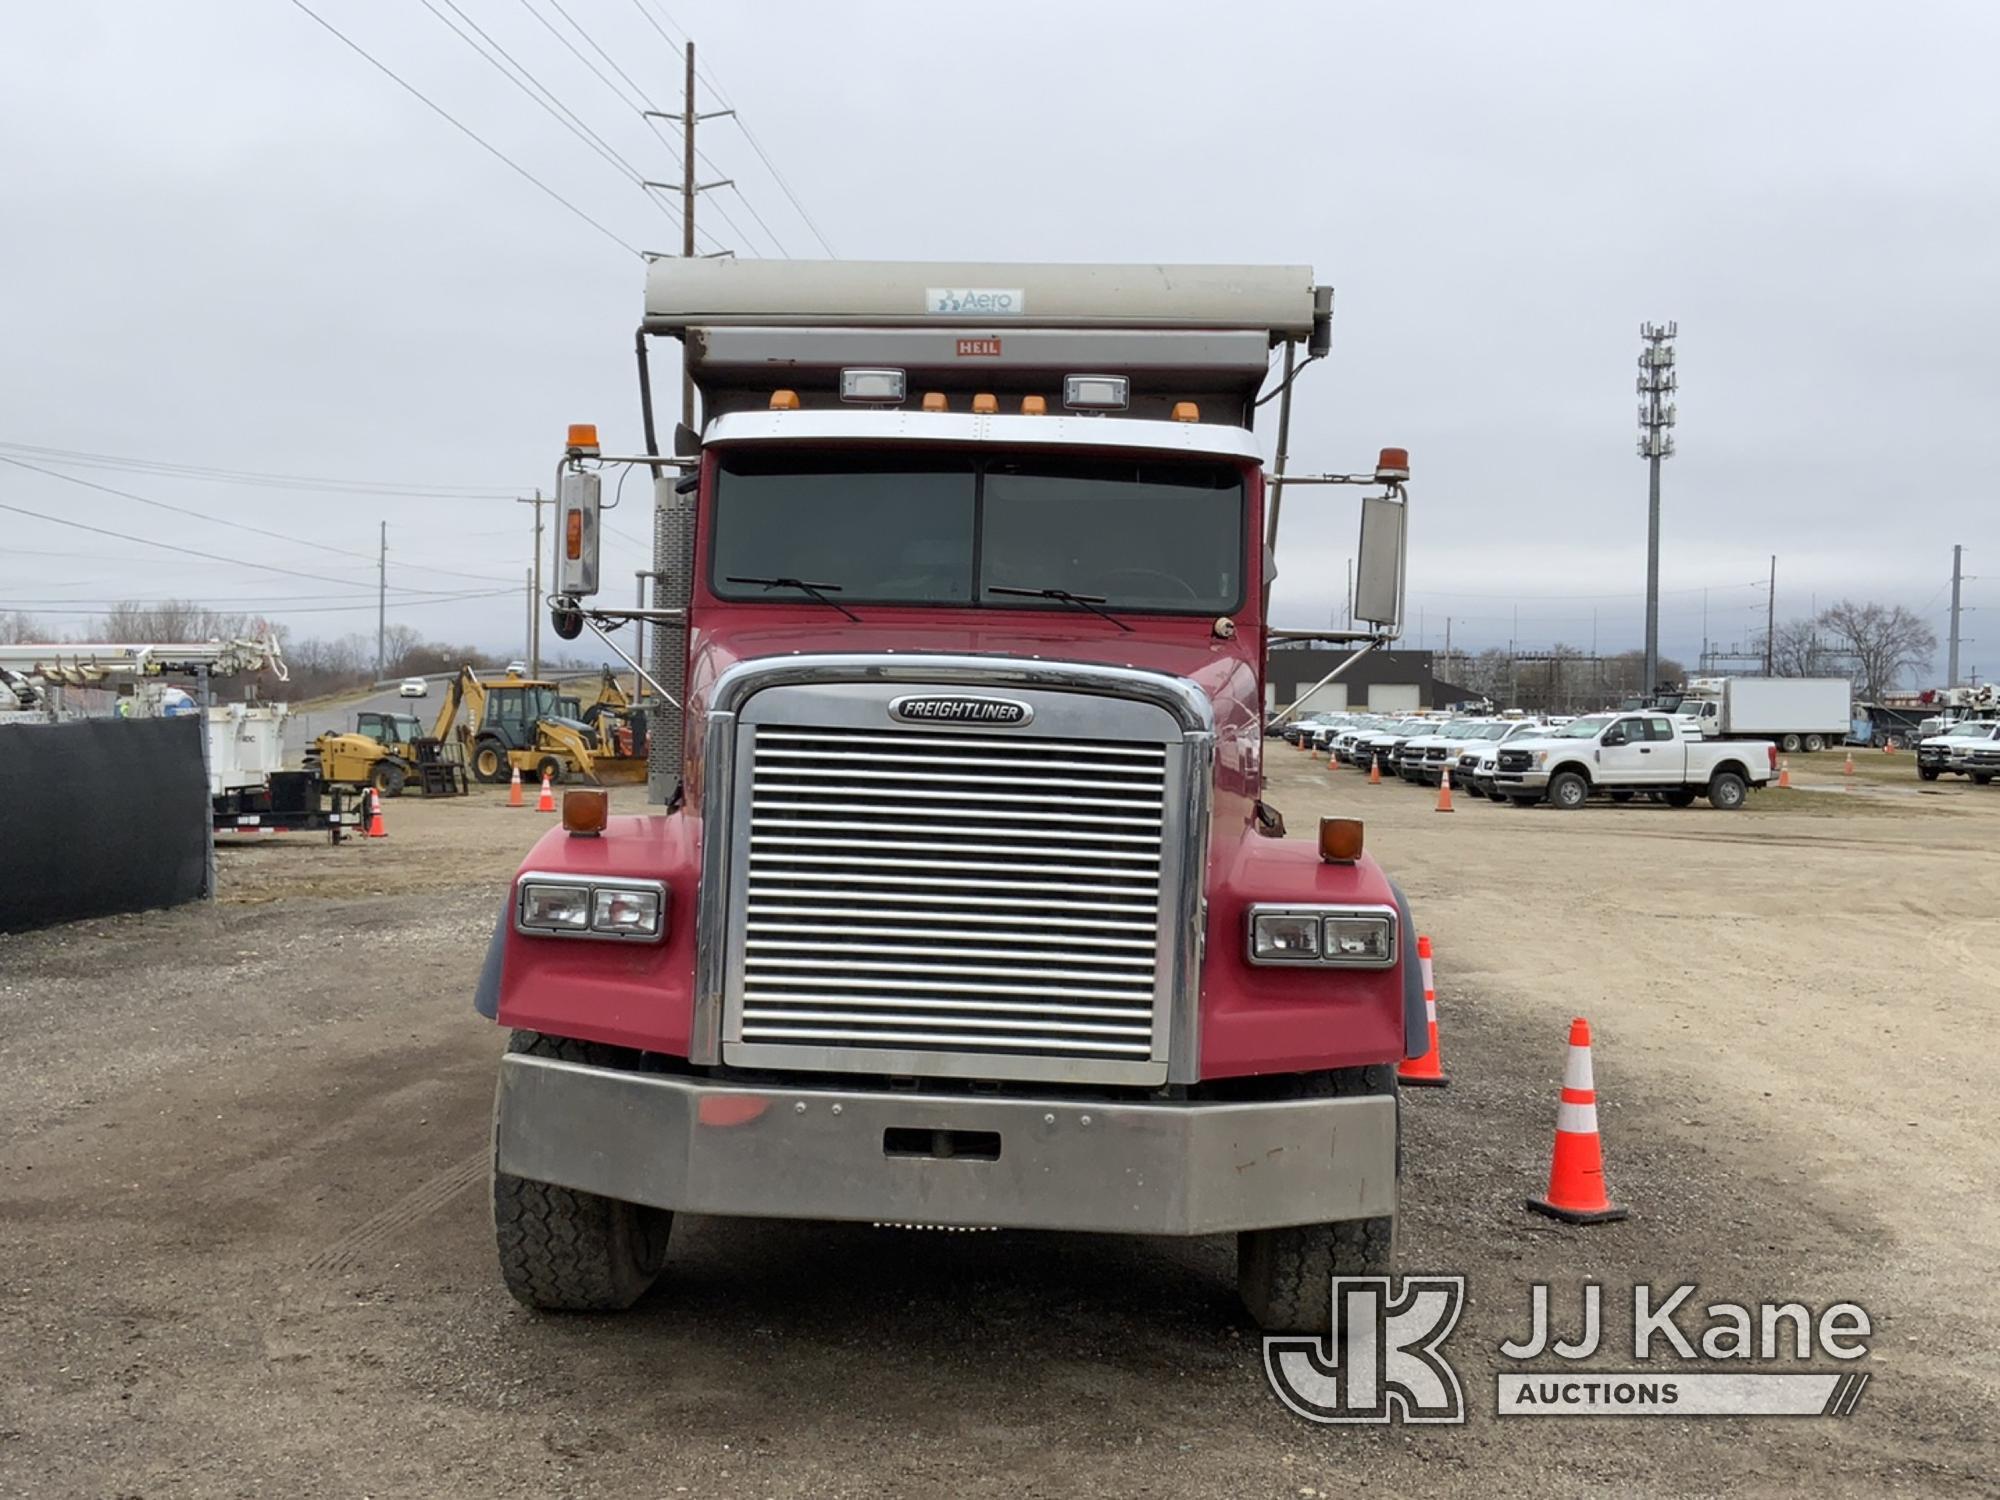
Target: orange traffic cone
1576,1173
547,801
1887,748
514,790
375,828
1444,790
1427,1071
1848,769
1785,775
1375,771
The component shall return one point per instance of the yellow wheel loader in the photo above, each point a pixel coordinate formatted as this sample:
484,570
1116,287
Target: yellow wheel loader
389,752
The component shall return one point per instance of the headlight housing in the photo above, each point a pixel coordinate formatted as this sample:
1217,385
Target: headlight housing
1347,937
618,908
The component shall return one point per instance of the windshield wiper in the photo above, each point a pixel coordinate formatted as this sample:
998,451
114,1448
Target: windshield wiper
1081,601
816,591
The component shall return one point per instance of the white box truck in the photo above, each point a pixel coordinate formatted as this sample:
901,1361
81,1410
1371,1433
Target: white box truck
1799,713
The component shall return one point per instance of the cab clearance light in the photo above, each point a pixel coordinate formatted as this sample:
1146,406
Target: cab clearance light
1185,411
985,404
1096,392
1034,406
582,438
784,401
934,401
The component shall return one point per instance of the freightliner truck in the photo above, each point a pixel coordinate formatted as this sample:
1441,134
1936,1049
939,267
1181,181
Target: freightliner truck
962,904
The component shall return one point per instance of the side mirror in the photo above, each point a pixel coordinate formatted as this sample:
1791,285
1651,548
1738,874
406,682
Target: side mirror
577,534
1613,737
1378,564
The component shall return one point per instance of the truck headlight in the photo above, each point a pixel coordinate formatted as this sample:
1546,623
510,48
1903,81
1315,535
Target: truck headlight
1337,936
630,913
555,908
620,908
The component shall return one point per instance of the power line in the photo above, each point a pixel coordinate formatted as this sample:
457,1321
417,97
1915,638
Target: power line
318,609
83,459
748,134
91,484
459,125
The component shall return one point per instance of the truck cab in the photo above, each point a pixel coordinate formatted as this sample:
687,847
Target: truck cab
961,904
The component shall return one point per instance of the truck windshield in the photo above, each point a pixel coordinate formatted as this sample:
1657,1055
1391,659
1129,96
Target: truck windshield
1581,729
1139,535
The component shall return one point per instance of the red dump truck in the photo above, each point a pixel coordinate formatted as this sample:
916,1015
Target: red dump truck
962,904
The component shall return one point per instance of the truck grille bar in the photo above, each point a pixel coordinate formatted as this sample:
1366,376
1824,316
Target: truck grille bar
942,891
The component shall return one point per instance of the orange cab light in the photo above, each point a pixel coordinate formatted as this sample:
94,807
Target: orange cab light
573,535
1394,464
934,401
1185,411
985,404
784,401
583,436
1340,840
1034,406
585,810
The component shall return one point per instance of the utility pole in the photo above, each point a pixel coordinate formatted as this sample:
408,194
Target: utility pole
1657,381
381,601
1350,593
535,584
689,189
1951,668
1771,622
528,588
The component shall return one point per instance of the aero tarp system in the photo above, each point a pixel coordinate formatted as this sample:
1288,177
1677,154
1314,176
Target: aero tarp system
100,816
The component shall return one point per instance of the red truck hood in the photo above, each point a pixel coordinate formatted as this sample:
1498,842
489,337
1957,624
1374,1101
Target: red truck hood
1226,671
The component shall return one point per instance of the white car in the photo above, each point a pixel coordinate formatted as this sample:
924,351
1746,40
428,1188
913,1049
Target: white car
517,669
414,687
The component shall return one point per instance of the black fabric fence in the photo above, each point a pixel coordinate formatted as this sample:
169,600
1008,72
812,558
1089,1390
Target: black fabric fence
99,816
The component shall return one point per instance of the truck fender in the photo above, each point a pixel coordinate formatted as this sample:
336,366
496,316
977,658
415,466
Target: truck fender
486,994
1416,1017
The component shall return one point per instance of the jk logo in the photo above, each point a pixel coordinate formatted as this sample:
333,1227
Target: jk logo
1380,1361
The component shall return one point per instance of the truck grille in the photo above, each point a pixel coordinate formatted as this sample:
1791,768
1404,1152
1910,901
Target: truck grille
938,891
1514,760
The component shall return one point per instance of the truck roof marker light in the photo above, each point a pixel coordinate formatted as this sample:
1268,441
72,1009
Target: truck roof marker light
985,404
934,401
1185,411
874,387
1393,467
784,401
585,810
1096,392
1034,406
582,437
1340,840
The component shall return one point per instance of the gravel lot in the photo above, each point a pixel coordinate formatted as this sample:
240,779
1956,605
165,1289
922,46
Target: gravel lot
243,1244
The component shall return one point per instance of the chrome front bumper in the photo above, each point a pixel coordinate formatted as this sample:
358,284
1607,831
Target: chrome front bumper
1021,1163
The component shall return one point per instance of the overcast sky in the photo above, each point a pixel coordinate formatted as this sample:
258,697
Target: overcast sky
229,242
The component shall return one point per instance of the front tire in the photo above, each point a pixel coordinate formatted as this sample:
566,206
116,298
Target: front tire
562,1250
1982,778
489,762
1568,791
388,778
1285,1276
553,767
1927,773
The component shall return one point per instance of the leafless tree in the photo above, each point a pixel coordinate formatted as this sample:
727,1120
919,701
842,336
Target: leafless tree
16,627
1801,648
1882,641
173,620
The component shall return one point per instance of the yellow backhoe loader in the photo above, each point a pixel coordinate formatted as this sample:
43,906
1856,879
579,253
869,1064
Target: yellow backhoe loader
513,725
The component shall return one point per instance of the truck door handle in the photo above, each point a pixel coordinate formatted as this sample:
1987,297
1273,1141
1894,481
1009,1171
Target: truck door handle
1645,749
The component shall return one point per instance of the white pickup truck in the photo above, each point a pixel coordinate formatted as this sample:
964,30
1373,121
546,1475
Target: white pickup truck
1627,755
